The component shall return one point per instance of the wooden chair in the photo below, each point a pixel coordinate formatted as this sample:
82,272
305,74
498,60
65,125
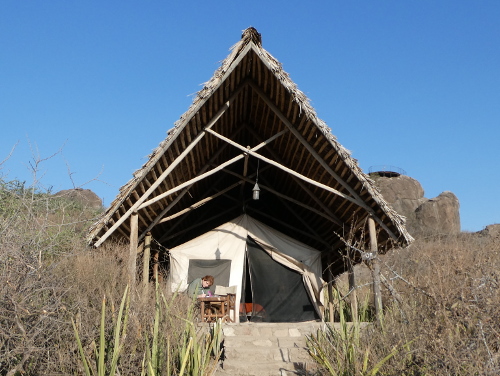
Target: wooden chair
230,303
253,311
231,307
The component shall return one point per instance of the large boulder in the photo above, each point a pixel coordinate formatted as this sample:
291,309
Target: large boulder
439,215
84,197
404,194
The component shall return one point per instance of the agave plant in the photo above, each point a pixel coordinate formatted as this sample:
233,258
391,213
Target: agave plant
197,353
339,350
106,349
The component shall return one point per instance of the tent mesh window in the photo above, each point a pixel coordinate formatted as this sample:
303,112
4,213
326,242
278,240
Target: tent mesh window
219,269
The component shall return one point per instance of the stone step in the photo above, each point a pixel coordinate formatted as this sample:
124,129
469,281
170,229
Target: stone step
272,329
264,341
271,354
267,349
265,369
277,349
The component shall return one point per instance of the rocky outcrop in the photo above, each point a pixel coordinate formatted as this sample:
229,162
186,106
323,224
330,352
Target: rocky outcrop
491,231
84,197
439,215
436,216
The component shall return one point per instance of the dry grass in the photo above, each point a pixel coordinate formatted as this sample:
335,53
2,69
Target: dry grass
456,327
48,276
450,308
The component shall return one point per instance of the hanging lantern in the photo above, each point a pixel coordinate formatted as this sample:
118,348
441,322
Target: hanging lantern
256,191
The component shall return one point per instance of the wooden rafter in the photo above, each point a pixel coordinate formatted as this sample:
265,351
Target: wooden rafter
286,169
281,195
181,194
303,186
199,203
165,173
355,197
208,173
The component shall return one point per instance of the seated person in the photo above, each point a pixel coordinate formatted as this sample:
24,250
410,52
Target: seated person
200,286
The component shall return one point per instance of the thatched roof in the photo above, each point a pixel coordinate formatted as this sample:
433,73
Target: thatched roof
250,121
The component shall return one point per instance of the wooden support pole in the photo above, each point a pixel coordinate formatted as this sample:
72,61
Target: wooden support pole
376,270
331,305
134,235
352,291
145,263
156,259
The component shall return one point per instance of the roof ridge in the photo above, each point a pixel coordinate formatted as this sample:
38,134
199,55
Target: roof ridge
251,34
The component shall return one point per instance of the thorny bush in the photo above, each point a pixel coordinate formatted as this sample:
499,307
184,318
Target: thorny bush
449,308
48,276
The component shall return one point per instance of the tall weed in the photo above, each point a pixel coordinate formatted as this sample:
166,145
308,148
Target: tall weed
341,350
448,307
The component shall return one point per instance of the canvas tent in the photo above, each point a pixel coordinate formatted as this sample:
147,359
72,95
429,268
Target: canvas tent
245,246
249,125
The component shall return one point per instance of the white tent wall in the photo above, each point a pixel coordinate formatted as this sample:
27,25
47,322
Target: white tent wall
229,242
225,242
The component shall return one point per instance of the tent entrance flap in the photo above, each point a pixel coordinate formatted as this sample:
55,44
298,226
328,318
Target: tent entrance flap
278,293
219,269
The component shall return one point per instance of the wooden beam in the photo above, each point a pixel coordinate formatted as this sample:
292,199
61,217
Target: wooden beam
214,170
169,169
301,184
200,203
331,282
156,259
211,172
356,199
286,169
353,291
180,195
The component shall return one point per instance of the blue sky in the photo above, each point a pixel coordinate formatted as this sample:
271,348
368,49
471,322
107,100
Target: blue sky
93,86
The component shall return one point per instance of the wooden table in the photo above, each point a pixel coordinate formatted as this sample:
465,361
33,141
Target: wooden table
214,307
